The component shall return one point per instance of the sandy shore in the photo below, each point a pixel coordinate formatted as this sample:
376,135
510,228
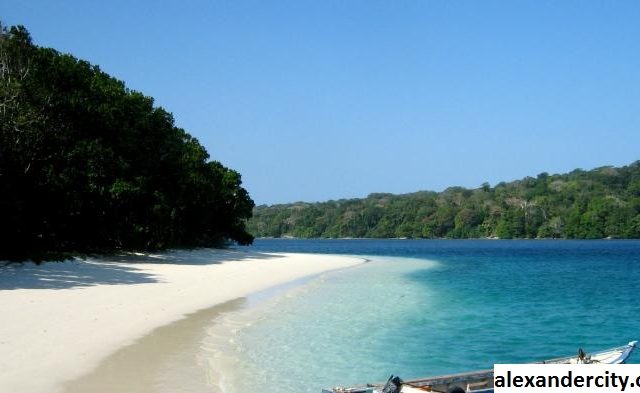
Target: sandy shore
59,320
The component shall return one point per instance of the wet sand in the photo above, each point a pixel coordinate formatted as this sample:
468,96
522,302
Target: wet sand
169,359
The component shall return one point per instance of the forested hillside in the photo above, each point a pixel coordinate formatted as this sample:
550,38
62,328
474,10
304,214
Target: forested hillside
604,202
87,165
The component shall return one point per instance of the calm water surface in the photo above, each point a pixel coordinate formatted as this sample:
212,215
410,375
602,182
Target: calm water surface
422,308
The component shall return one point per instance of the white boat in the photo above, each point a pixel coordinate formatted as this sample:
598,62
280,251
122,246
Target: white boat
609,356
482,381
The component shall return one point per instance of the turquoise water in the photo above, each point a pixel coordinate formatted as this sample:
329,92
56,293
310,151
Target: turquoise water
420,308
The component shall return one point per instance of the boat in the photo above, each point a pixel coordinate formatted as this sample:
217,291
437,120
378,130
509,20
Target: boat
616,355
482,381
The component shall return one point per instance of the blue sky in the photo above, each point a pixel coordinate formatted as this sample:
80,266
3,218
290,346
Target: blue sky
317,100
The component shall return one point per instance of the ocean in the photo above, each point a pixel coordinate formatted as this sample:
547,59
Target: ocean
427,307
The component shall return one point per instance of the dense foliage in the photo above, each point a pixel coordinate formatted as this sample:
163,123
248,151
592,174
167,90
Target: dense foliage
88,165
604,202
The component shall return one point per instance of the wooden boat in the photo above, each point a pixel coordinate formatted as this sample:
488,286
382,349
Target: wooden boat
482,381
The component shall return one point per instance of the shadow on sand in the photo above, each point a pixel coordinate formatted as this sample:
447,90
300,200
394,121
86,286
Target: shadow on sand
110,270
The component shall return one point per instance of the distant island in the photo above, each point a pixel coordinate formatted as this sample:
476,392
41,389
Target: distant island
600,203
89,166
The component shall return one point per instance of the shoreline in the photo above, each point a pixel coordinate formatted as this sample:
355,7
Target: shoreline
68,317
453,239
195,353
169,359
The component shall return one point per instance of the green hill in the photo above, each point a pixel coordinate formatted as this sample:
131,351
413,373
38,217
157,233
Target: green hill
601,203
87,165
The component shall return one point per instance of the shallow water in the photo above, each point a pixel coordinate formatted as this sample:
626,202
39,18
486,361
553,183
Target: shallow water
417,308
421,308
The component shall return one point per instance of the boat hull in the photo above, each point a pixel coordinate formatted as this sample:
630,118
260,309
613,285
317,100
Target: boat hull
482,381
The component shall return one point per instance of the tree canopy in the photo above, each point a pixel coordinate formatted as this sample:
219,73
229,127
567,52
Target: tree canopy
604,202
87,165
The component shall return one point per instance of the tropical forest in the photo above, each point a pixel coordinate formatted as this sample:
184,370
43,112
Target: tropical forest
599,203
88,165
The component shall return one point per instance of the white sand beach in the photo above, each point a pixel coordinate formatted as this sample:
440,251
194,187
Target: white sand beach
59,320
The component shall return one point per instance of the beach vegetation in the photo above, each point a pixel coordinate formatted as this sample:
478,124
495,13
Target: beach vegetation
88,165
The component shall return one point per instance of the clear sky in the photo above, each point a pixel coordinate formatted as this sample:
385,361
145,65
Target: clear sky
317,100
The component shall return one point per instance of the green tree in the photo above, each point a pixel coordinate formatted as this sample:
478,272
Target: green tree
87,165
